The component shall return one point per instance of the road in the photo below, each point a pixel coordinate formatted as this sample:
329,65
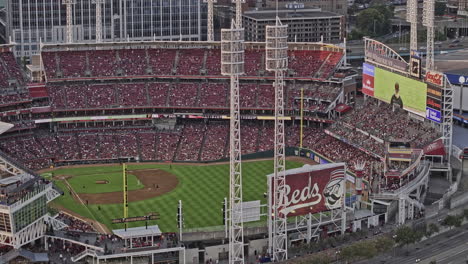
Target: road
357,48
450,247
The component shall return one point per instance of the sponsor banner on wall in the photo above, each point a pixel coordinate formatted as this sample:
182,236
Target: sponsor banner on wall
435,148
368,74
435,78
312,189
387,61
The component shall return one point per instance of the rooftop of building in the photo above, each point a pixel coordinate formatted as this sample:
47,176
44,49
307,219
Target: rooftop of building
270,14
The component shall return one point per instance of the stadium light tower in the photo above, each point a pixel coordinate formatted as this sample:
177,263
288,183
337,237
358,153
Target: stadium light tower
210,33
277,61
232,64
412,18
98,19
428,22
69,4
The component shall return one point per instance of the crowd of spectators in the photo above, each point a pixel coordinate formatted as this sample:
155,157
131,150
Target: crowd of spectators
317,97
381,121
75,224
185,62
190,61
10,70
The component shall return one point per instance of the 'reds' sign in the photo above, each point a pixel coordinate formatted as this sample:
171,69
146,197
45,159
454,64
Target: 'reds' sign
311,189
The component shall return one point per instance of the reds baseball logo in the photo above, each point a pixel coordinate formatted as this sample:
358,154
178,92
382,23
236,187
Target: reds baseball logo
333,191
312,192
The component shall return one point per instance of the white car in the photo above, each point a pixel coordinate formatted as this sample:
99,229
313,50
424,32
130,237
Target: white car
403,48
438,43
423,48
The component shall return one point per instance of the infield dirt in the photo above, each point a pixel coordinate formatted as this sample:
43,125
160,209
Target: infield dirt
156,182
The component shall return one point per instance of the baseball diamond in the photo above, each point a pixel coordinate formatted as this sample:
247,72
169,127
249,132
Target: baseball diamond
201,187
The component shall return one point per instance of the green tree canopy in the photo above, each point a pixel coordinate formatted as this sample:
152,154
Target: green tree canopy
440,8
453,220
374,21
405,235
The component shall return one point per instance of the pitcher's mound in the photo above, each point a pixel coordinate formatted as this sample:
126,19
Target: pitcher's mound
156,182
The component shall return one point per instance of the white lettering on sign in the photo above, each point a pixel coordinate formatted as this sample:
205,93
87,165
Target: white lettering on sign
309,193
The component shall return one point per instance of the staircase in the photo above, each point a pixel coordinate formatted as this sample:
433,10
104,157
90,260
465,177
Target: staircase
197,101
203,68
202,143
156,143
98,145
42,146
87,252
176,63
80,155
138,146
148,99
178,145
319,71
168,93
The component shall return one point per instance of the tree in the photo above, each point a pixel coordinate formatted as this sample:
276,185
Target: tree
371,22
406,236
348,253
465,214
440,8
433,228
383,244
452,220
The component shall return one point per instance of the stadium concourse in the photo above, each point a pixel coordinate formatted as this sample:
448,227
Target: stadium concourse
163,101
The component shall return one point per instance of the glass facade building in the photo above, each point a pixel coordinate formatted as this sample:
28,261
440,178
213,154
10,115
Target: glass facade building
30,22
29,213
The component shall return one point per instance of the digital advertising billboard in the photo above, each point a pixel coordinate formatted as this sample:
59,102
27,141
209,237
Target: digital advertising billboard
312,189
395,89
402,91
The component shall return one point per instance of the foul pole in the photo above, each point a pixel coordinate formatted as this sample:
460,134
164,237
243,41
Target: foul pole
125,192
302,118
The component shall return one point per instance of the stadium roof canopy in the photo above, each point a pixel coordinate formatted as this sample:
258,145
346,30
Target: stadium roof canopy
140,231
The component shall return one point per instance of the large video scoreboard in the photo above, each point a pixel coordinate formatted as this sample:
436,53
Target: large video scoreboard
413,95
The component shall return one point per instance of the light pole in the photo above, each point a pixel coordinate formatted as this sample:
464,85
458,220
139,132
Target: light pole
462,81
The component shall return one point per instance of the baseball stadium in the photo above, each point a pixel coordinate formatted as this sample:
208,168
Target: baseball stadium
130,152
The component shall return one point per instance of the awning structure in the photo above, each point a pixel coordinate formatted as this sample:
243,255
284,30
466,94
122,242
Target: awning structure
135,232
342,108
5,127
436,148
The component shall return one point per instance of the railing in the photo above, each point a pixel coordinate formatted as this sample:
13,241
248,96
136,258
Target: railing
409,186
87,252
33,195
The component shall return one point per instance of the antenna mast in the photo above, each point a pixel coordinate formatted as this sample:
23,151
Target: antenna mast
69,4
277,61
232,64
210,33
98,19
428,21
412,18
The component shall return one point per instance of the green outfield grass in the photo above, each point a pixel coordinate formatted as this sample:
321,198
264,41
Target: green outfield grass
201,189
